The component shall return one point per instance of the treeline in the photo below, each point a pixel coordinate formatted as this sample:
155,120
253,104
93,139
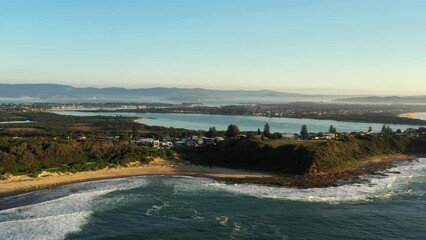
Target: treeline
301,157
23,156
45,124
340,112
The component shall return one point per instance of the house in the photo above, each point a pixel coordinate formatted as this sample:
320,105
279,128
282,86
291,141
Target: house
167,144
191,144
179,142
327,136
208,140
289,136
148,142
219,139
313,136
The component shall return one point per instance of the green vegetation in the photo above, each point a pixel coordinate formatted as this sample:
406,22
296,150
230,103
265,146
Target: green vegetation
23,156
232,131
50,125
304,132
387,129
332,129
212,132
267,130
301,157
51,143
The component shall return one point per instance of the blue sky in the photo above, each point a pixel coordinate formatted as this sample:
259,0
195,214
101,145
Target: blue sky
348,46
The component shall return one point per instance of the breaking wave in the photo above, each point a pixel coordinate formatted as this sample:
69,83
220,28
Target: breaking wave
386,184
58,217
55,213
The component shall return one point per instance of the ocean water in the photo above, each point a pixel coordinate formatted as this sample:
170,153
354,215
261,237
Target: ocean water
245,123
388,205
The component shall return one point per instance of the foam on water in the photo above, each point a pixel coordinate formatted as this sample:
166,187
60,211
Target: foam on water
55,218
52,227
395,181
55,213
386,184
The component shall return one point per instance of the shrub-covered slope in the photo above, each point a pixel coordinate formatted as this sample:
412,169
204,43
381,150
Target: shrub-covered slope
300,157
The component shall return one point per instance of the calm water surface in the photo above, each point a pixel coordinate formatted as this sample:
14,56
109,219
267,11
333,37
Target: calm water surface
245,123
422,116
16,122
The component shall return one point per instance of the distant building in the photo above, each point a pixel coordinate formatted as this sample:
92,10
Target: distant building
148,142
289,136
208,140
327,136
167,144
191,144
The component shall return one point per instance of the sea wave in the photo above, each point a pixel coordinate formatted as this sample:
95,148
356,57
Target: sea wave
55,213
56,218
383,185
386,184
51,227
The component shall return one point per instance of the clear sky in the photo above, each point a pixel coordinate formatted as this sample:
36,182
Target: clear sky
349,46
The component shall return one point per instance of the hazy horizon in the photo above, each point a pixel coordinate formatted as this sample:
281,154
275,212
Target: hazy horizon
317,47
307,91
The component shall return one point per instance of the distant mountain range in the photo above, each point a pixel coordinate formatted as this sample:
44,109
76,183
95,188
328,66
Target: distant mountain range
56,91
64,93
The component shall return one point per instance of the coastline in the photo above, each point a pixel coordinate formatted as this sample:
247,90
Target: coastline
138,120
412,115
331,178
21,184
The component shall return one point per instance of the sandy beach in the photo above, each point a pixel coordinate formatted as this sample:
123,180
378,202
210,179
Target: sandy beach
414,115
18,184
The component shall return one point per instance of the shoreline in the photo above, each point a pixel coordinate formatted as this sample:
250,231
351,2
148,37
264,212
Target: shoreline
412,115
335,178
21,184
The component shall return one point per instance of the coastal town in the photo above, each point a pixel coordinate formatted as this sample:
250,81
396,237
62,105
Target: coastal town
11,122
384,114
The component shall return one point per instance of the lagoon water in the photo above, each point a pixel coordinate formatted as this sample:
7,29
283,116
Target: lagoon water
391,205
245,123
422,116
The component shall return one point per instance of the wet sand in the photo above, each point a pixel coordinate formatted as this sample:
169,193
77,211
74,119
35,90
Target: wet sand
19,184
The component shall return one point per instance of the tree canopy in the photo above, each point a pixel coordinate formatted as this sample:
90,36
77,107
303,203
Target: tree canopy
212,132
232,131
267,130
304,132
387,129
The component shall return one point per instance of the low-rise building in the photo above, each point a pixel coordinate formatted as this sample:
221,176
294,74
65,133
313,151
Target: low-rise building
289,136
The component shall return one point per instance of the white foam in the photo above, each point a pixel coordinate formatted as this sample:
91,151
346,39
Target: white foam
155,209
393,182
396,182
56,218
223,220
52,227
